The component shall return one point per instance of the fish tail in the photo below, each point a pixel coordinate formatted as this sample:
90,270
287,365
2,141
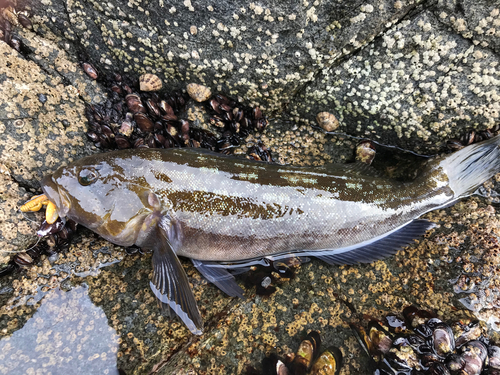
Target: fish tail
468,168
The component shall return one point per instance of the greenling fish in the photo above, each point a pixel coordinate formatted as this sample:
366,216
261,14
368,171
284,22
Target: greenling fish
220,210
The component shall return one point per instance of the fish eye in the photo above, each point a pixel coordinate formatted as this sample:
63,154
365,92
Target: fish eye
87,177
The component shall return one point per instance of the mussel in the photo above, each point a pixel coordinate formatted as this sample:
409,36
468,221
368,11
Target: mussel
328,363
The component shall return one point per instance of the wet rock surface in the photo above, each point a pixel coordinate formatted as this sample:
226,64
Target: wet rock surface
408,74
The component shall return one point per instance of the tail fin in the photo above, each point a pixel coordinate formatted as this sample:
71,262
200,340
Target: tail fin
468,168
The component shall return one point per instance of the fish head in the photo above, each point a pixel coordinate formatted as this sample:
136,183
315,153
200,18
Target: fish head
100,193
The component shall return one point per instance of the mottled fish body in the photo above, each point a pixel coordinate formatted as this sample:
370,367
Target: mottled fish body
214,208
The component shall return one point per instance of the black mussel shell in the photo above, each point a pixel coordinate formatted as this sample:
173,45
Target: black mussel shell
134,103
494,357
214,105
455,363
329,362
127,89
474,353
443,340
454,144
15,42
90,70
270,365
139,142
315,339
257,113
25,21
303,359
380,338
24,259
438,368
415,316
122,142
464,332
260,124
392,364
93,136
143,122
153,108
46,228
283,270
281,369
427,328
395,324
468,138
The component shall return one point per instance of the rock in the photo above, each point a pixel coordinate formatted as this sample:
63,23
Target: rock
404,73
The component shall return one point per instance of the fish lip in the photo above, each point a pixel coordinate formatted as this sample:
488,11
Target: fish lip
57,196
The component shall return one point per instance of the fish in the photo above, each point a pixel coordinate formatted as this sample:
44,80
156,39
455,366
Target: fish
225,212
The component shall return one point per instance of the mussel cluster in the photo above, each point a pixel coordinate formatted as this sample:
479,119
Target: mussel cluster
264,275
10,17
306,360
131,118
421,343
55,238
470,137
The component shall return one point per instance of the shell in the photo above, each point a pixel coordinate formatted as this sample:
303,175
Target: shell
126,128
25,21
329,362
198,93
443,340
365,152
134,103
150,82
380,339
90,70
494,357
152,108
474,353
303,357
466,331
327,121
281,369
143,122
9,13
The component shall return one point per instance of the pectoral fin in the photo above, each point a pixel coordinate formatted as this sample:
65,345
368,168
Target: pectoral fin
220,277
170,283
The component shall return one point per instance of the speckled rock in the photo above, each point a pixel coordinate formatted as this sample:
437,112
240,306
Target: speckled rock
419,82
42,125
405,72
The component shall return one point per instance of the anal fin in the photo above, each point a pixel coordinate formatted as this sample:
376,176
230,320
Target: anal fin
379,249
220,277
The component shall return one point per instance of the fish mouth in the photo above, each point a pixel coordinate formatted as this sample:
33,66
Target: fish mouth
56,195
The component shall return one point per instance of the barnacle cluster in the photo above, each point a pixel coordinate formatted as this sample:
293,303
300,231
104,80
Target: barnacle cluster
137,115
421,343
470,137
